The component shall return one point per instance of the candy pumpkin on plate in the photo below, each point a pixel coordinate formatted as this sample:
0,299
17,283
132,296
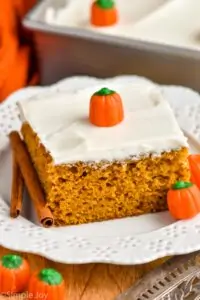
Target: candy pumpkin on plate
194,161
104,13
106,108
183,200
48,284
14,274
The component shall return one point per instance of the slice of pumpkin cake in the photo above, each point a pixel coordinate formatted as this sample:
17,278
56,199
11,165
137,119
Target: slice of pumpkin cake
105,153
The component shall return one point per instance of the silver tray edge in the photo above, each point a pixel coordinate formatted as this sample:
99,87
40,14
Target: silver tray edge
177,279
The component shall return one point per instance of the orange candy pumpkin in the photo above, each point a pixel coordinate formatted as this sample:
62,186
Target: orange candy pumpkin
14,274
183,200
106,108
103,13
48,284
194,162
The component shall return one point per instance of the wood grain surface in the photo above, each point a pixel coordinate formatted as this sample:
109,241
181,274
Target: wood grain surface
92,281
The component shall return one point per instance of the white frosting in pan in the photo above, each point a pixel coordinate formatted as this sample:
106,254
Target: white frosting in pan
76,13
62,124
173,22
176,23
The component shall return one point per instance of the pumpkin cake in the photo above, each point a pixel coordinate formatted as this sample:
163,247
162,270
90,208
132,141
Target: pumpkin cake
105,153
133,19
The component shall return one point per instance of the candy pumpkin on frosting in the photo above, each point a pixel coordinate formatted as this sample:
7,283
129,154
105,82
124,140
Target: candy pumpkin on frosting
106,108
104,13
48,283
194,162
183,200
14,274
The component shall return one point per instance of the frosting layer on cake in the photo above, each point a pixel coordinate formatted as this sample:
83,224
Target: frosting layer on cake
176,23
62,125
173,22
76,13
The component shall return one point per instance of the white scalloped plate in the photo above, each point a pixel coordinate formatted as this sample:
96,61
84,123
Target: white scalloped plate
133,240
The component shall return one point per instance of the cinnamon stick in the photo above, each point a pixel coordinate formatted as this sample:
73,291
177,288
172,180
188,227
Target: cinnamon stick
16,190
31,180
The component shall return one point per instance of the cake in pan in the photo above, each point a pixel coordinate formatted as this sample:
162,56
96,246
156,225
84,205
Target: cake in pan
144,20
104,153
78,14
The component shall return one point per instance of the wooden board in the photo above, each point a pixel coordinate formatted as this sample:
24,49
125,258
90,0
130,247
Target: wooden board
92,281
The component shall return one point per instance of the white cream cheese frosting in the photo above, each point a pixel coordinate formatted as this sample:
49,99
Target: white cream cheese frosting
172,22
62,124
76,13
176,23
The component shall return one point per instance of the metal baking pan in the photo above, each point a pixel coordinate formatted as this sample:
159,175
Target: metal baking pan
63,52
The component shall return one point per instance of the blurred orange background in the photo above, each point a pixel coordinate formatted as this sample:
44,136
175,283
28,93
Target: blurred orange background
17,63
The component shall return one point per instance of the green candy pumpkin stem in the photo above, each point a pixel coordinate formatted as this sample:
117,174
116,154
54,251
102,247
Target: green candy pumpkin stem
104,92
181,185
11,261
105,4
50,277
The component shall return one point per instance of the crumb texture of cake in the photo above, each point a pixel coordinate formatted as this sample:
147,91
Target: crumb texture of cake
82,193
91,174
